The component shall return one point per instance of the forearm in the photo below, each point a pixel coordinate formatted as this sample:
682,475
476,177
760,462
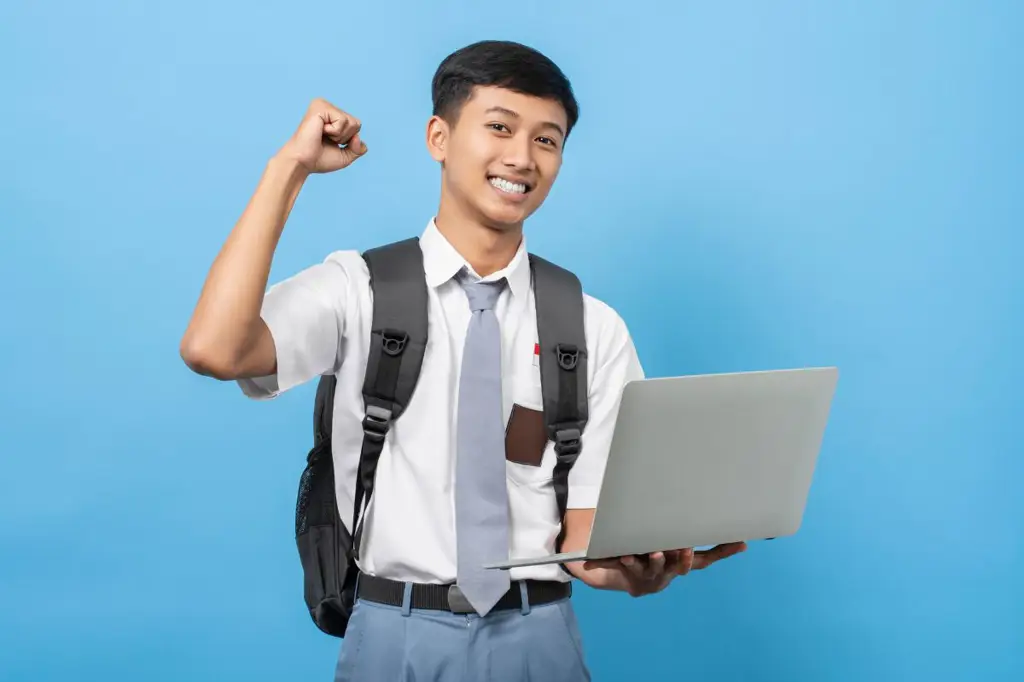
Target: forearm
578,523
225,329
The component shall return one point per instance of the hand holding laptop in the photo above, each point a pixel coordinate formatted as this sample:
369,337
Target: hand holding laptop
639,575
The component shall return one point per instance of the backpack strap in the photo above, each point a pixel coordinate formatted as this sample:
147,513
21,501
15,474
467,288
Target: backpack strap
397,344
323,409
563,369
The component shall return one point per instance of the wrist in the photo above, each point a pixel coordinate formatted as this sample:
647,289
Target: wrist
599,578
288,168
284,177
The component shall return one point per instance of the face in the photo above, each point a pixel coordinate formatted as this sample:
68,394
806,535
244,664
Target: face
501,156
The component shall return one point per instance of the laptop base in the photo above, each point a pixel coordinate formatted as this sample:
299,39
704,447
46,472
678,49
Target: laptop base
541,560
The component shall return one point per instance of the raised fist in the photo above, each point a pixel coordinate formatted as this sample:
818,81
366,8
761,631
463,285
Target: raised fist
327,139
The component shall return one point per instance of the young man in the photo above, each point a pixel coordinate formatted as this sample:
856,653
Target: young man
502,116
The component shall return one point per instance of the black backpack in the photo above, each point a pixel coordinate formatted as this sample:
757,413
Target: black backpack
327,549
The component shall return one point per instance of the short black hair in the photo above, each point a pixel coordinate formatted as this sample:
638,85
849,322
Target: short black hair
503,64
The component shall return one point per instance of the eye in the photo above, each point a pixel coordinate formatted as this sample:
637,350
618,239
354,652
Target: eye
500,127
547,141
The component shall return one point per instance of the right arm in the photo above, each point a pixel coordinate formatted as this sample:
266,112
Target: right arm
226,337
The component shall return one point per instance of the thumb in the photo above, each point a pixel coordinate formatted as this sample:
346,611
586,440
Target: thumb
354,149
334,157
717,553
356,146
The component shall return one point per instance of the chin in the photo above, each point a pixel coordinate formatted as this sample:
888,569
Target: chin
505,217
504,220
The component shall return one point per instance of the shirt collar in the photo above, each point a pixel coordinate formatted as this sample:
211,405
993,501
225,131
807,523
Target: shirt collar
441,262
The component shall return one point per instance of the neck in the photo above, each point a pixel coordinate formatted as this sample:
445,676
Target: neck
486,249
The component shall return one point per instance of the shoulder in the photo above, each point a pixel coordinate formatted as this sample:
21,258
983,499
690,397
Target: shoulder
338,268
348,261
339,282
340,273
603,324
605,327
609,341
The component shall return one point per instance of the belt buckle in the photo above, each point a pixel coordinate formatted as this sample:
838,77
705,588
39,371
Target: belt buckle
457,601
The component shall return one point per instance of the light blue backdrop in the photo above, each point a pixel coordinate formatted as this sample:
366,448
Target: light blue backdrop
753,185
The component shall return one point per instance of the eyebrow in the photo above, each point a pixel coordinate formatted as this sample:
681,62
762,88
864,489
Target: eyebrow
513,114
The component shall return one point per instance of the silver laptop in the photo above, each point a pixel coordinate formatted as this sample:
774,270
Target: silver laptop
701,460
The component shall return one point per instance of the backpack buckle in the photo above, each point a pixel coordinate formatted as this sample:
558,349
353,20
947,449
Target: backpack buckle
393,341
376,422
568,355
567,441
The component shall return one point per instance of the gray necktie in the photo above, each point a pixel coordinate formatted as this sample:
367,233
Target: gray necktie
481,498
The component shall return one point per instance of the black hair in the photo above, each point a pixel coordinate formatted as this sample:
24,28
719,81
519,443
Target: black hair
503,64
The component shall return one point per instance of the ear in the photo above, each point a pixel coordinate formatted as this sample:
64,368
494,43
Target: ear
437,138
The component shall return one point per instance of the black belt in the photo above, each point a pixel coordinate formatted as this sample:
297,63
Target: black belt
450,597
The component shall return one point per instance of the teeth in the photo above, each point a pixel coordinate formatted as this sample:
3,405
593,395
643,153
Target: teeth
510,187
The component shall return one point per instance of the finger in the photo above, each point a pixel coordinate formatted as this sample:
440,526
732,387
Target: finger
632,567
340,128
357,145
334,158
707,557
674,560
354,149
685,561
655,565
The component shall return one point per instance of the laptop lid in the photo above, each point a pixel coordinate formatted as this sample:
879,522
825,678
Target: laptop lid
701,460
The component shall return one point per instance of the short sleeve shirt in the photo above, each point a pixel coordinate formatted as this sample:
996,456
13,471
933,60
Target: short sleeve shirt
320,320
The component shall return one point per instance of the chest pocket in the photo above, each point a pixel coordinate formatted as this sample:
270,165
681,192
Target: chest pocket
530,460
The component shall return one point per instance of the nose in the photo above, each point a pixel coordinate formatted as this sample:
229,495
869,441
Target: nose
518,154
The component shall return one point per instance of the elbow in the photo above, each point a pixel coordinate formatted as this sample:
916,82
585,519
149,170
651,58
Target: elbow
205,359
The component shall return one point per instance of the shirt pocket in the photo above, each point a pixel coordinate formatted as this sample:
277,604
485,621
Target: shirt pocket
528,457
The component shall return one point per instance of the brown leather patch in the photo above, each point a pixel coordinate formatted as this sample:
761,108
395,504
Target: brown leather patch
525,436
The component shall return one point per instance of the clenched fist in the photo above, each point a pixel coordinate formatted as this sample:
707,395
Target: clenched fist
327,139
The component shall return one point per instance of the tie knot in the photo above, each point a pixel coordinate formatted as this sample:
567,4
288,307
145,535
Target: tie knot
482,295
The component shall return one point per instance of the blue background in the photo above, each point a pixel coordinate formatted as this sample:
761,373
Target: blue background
752,185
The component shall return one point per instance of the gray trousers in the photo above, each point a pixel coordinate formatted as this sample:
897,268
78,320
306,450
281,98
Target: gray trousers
399,644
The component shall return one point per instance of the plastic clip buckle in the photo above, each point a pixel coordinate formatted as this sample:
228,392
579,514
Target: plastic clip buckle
376,422
567,441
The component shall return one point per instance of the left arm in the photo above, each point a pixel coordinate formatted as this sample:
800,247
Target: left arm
577,531
615,364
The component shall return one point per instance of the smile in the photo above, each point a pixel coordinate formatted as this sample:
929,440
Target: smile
508,186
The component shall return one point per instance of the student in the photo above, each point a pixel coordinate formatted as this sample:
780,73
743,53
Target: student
502,116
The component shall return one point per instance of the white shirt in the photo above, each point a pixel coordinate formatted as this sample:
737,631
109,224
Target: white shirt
320,320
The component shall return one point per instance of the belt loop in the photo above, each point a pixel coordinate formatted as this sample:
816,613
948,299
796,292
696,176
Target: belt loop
525,596
407,599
